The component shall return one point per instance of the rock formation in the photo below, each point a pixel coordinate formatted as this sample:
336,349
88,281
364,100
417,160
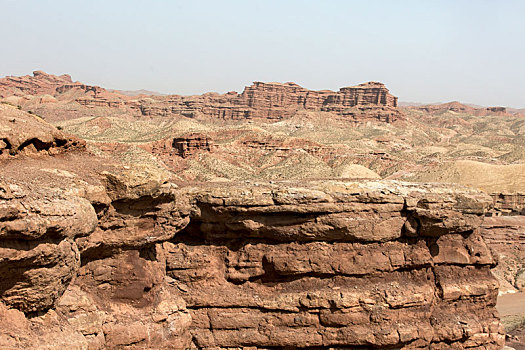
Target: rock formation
29,134
504,231
509,203
189,144
331,264
505,235
272,101
458,107
320,264
96,254
42,83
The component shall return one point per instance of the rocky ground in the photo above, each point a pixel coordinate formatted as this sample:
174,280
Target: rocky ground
236,220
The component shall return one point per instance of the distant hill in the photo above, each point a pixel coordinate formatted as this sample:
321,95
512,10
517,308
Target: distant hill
138,92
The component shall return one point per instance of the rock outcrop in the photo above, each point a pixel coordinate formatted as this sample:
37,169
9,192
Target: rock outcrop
334,264
505,235
41,83
23,133
79,263
272,101
504,232
509,203
276,101
320,264
95,254
189,144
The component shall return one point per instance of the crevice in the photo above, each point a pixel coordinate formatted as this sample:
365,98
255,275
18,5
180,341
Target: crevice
38,144
272,277
148,252
99,253
8,146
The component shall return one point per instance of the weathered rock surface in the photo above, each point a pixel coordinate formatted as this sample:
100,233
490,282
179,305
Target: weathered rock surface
509,203
22,133
319,264
86,273
335,264
98,255
458,107
190,144
505,235
273,101
39,83
38,255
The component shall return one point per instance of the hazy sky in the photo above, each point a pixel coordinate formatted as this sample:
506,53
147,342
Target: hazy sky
425,51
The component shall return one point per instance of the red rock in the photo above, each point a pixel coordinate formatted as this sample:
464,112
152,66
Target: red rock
95,254
272,101
189,144
25,134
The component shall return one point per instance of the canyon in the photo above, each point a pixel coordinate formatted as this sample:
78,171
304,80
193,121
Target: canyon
272,101
279,217
108,256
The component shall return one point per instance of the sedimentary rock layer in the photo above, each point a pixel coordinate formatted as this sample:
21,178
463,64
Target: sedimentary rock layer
98,255
23,133
334,264
272,101
509,203
505,235
318,264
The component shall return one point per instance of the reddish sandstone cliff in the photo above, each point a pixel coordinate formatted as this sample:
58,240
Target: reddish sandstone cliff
272,101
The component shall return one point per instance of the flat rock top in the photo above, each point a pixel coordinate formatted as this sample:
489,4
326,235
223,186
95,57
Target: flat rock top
337,191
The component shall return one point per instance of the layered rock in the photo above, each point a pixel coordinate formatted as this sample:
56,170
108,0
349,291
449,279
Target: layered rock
272,101
509,203
23,133
335,264
190,144
318,264
79,261
39,83
505,235
38,255
275,101
96,254
504,231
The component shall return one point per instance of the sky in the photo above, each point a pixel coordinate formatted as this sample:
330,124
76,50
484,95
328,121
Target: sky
424,51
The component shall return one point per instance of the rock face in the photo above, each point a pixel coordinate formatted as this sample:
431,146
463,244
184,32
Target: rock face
38,253
320,264
189,144
273,101
42,83
278,101
87,274
23,133
504,232
505,235
333,264
98,255
509,203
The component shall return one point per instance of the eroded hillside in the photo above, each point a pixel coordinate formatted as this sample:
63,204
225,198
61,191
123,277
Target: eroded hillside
102,251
